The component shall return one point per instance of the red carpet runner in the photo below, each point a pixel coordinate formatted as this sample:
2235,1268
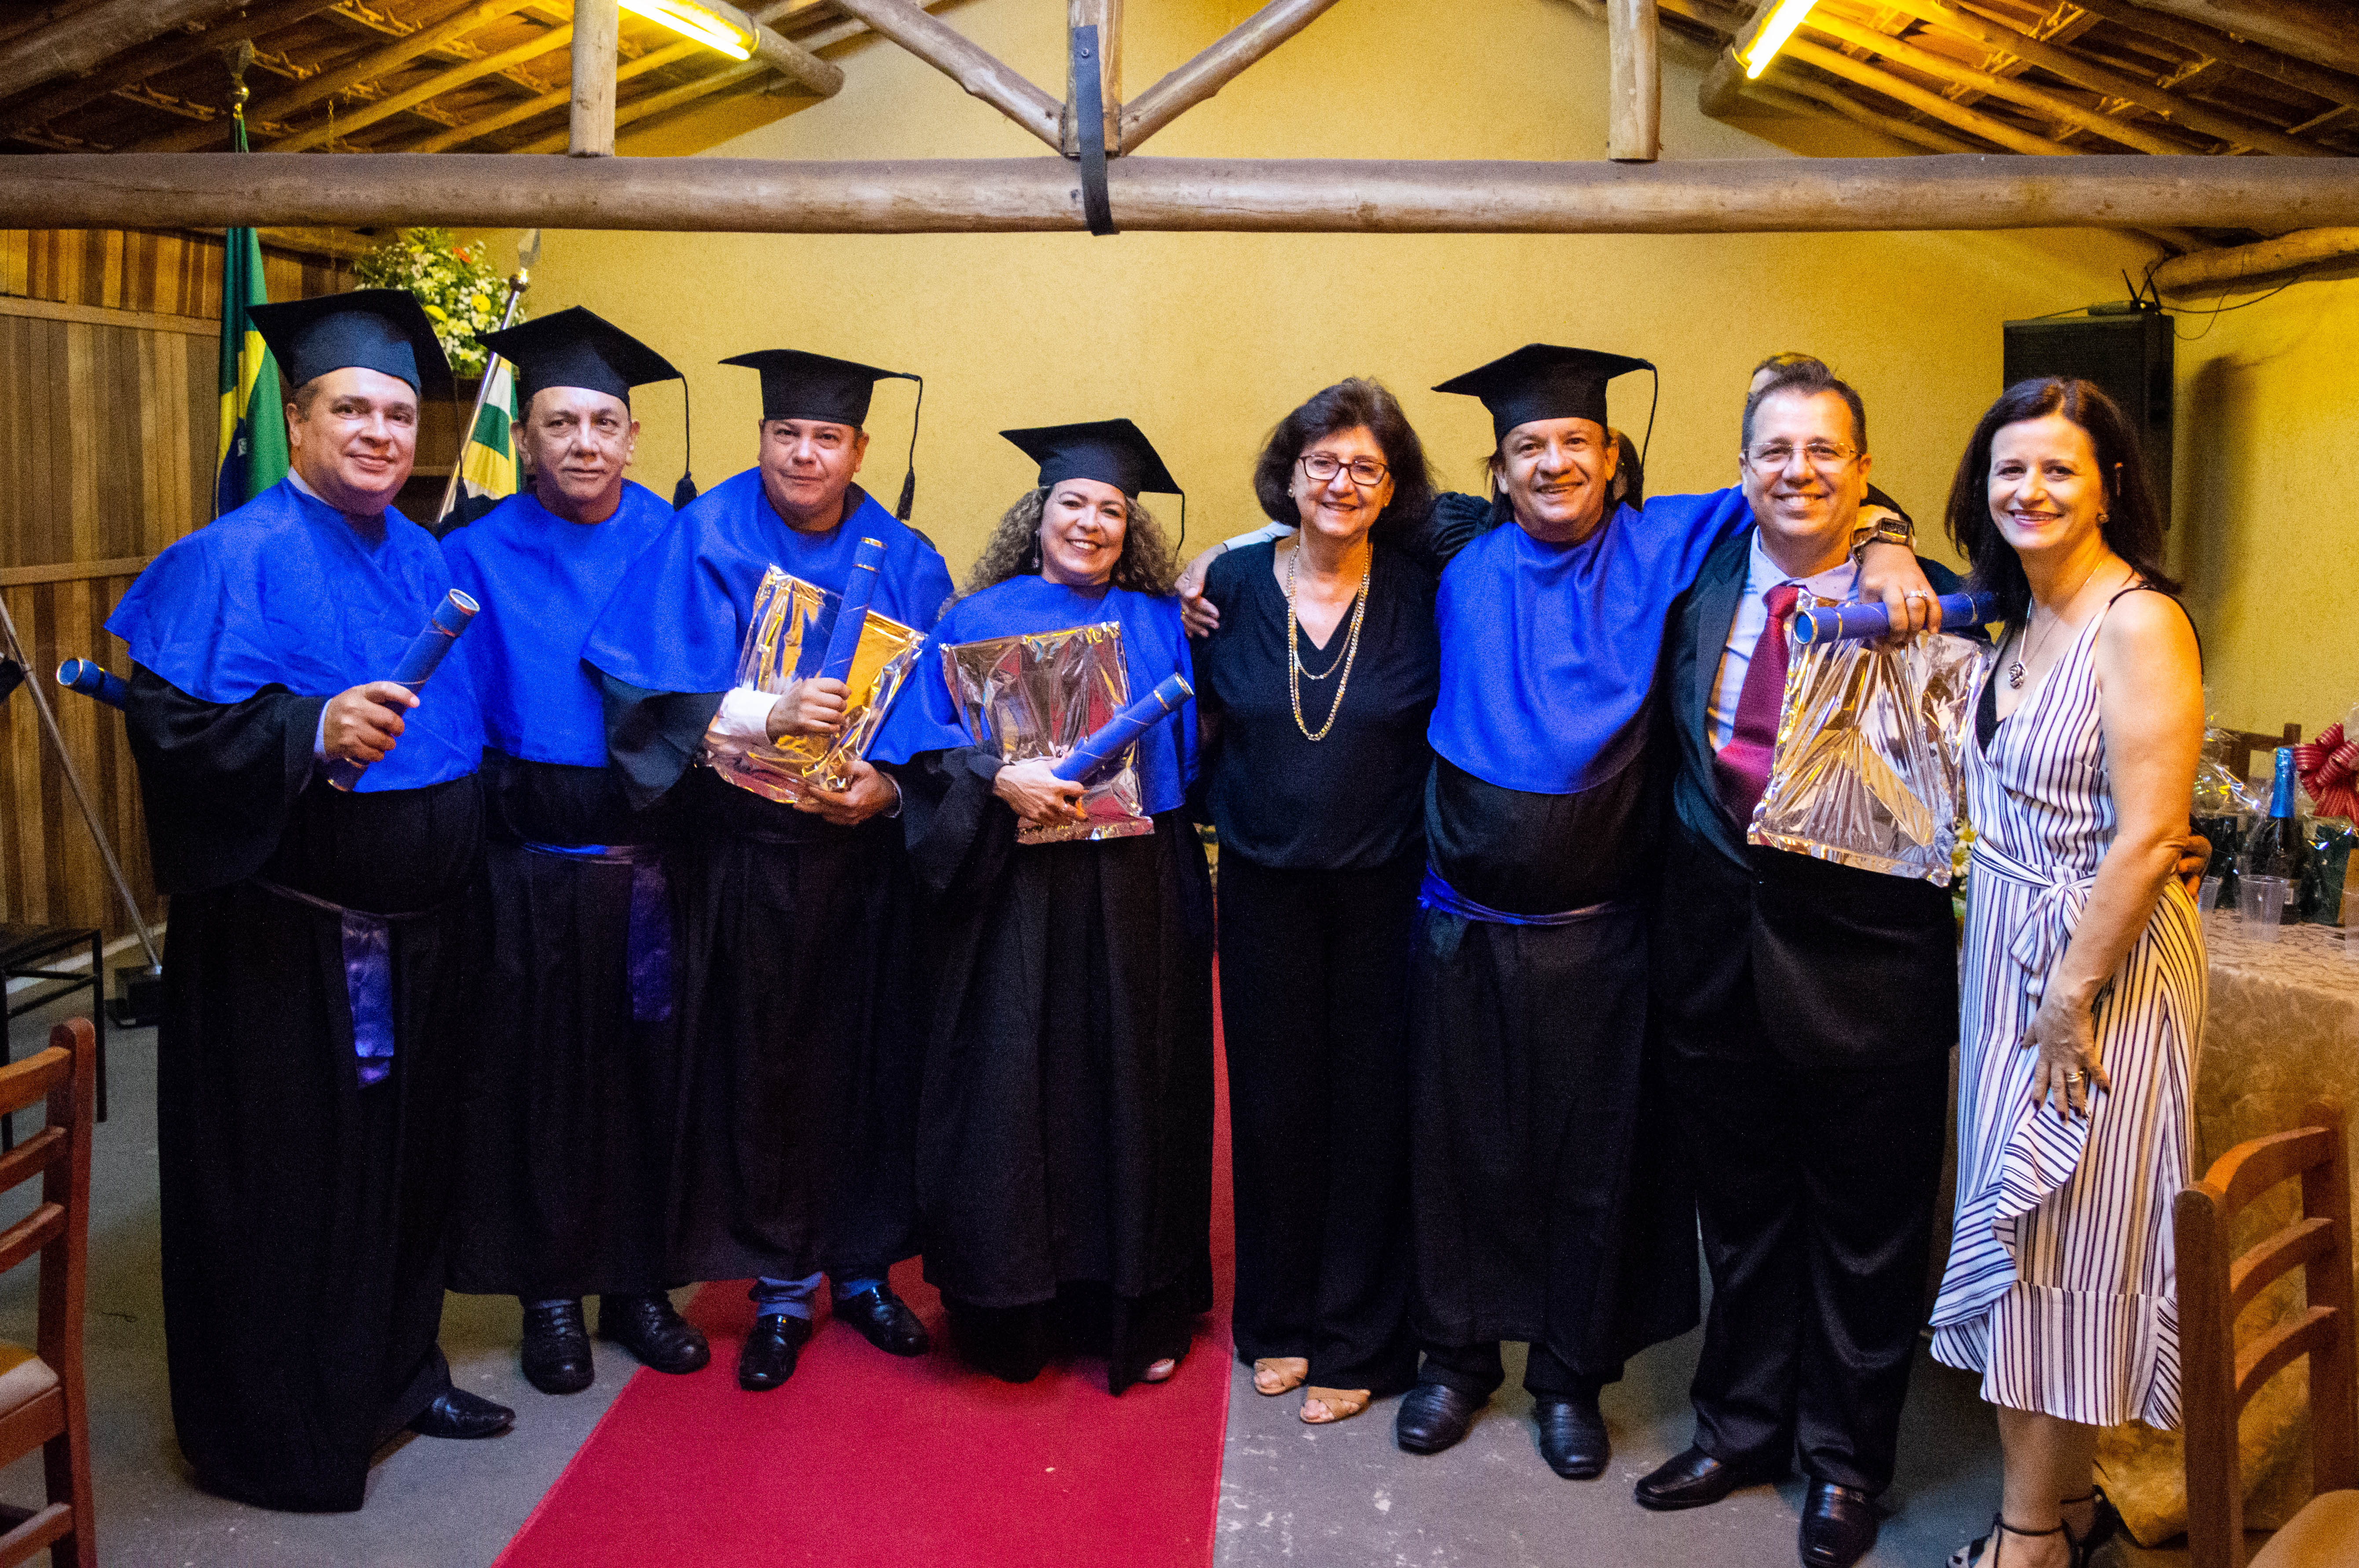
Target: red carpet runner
862,1458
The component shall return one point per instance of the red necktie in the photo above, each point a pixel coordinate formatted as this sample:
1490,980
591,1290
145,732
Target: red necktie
1742,765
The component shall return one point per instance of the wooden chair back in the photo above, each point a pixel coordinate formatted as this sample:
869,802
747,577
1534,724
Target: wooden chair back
2216,1377
57,1232
2237,746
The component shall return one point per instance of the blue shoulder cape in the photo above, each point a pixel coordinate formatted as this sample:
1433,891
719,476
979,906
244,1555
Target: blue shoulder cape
1549,651
542,581
679,619
282,592
1154,644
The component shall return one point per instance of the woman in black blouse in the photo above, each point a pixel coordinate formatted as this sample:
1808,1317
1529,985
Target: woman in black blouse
1315,689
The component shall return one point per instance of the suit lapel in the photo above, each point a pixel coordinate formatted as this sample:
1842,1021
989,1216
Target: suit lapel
1718,587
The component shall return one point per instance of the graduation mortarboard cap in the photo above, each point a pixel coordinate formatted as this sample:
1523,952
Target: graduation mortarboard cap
382,330
1540,381
579,348
576,348
799,385
1112,451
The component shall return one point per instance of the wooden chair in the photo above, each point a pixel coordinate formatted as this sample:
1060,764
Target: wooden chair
41,1389
2216,1378
2237,746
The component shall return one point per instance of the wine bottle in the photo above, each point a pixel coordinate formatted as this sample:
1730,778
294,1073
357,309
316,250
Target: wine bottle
2275,847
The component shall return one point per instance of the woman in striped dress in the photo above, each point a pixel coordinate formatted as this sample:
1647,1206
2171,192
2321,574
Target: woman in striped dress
2084,975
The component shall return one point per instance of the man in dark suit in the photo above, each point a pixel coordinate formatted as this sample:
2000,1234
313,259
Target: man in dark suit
1806,1012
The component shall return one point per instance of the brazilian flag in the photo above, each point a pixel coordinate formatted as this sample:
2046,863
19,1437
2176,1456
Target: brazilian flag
487,463
253,455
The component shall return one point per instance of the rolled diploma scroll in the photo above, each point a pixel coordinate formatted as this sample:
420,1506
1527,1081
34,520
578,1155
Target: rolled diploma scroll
851,611
1835,622
1122,729
418,661
92,681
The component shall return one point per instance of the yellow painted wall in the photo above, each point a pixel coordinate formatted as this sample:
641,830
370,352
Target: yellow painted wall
1207,340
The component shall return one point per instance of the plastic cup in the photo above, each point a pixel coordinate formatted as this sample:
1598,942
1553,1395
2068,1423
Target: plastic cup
2207,894
2263,901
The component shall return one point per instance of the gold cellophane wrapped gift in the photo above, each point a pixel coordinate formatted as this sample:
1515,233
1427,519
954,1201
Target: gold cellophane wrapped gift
788,636
1871,754
1041,696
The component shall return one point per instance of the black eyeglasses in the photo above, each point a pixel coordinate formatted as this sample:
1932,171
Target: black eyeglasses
1321,469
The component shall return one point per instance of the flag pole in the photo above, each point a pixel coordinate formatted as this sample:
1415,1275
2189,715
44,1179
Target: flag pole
528,252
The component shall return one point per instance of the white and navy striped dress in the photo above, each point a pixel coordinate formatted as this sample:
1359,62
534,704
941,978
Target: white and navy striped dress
2060,1289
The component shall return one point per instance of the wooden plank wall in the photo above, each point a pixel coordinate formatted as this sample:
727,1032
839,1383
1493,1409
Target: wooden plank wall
108,428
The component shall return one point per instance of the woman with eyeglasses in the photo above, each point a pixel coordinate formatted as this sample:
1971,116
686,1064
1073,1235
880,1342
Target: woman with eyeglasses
1316,690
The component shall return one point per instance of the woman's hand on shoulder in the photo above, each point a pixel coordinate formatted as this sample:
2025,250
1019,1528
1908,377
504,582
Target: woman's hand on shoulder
1034,791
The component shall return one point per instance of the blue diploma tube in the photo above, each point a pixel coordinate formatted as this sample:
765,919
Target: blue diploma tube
93,681
1835,622
417,662
1122,729
852,611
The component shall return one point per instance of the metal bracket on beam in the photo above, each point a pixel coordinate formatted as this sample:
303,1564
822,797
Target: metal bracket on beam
1088,110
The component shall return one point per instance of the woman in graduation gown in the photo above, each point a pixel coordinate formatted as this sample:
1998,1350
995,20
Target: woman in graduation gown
1065,1133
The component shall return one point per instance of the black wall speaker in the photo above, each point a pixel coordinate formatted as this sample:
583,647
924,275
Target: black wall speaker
2125,350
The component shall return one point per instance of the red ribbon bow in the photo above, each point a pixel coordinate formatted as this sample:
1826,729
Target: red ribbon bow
2329,770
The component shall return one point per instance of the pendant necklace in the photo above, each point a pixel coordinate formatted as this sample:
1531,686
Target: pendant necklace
2014,672
1293,672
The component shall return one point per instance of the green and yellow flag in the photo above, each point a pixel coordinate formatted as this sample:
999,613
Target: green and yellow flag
488,464
253,455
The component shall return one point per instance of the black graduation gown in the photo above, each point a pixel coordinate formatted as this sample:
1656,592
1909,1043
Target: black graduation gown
569,1100
303,1215
1547,1201
1065,1138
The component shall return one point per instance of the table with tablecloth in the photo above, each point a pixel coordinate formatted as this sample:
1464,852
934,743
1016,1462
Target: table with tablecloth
2281,1030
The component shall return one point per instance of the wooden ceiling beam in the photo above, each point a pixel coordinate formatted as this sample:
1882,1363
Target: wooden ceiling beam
719,83
2082,72
1884,83
2248,264
130,69
532,108
2323,32
1633,82
2332,85
433,86
44,190
1956,72
82,41
1216,67
1795,93
965,63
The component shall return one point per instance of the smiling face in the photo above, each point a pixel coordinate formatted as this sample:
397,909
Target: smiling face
807,465
353,437
577,443
1346,505
1081,532
1558,474
1808,501
2047,492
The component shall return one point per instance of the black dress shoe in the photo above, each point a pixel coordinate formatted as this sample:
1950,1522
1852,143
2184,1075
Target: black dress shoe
1572,1436
1435,1416
644,1324
886,1321
768,1359
1838,1525
1695,1478
455,1413
556,1348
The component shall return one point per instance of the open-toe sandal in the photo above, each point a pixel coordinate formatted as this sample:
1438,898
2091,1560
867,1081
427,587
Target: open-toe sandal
1285,1374
2105,1522
1971,1555
1340,1405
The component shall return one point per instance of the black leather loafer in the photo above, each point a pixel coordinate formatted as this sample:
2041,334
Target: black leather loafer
644,1324
1839,1525
1572,1437
886,1321
556,1348
1435,1416
457,1413
1695,1479
768,1359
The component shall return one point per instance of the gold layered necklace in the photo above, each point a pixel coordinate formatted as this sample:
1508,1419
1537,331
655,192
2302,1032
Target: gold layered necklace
1295,675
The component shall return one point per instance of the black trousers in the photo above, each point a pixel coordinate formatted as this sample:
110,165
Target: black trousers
1815,1190
1479,1369
1314,1006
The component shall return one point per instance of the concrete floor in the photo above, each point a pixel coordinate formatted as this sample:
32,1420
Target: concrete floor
1339,1497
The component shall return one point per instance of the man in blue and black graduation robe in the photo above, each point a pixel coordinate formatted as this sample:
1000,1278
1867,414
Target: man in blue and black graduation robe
1548,1203
315,974
569,1134
799,1079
